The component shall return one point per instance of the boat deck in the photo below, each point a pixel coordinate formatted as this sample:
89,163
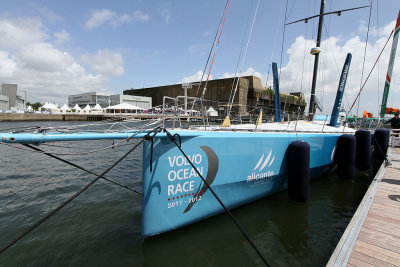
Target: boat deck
372,238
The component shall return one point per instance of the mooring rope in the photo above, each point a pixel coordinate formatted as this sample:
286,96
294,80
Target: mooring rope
49,215
172,138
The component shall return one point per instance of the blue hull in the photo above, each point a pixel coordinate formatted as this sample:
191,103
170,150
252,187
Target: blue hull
241,167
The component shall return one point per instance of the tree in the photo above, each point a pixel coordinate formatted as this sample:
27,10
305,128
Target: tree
35,106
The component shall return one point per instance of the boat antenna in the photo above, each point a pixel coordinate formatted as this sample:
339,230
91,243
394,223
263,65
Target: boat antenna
316,52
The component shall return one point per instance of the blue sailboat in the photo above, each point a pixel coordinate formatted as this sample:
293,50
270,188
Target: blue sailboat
185,169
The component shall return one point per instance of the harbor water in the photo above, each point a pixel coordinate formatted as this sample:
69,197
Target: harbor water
102,226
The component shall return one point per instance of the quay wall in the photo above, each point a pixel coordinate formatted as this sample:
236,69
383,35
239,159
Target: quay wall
79,117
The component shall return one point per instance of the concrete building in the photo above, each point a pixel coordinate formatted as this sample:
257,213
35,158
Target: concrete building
89,99
249,96
139,101
11,98
105,100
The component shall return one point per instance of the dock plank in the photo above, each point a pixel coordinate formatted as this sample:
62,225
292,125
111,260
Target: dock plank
395,257
356,262
369,259
370,250
376,240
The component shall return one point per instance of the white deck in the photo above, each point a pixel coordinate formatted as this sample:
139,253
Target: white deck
299,126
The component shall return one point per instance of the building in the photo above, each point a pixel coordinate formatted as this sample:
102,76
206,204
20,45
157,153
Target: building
249,97
91,99
11,98
105,100
139,101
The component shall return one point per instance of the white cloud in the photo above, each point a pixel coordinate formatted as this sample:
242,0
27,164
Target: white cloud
7,65
61,37
98,17
195,77
43,71
49,15
297,74
198,48
250,71
374,31
140,16
105,62
18,33
166,13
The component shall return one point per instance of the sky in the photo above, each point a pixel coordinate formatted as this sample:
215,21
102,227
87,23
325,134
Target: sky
53,49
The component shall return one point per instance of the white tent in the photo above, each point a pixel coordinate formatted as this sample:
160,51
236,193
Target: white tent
212,112
123,108
29,108
77,108
51,107
65,108
87,109
45,106
97,109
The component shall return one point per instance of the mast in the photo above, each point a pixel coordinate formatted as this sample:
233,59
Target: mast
390,67
311,109
277,95
315,51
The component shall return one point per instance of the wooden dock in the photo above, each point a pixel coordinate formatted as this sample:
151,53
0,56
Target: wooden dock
372,237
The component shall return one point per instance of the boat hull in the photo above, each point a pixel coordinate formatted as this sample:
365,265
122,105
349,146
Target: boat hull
241,167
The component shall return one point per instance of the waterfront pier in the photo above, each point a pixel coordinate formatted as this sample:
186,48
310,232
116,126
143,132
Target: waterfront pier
372,237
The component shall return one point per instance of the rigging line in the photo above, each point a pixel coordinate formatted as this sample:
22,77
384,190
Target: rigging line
215,51
65,203
172,138
376,61
19,128
95,151
377,28
140,128
101,149
244,56
304,57
283,39
275,39
328,13
240,56
291,9
209,55
365,51
330,46
101,123
36,149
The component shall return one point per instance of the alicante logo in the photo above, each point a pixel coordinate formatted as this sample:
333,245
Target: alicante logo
258,172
